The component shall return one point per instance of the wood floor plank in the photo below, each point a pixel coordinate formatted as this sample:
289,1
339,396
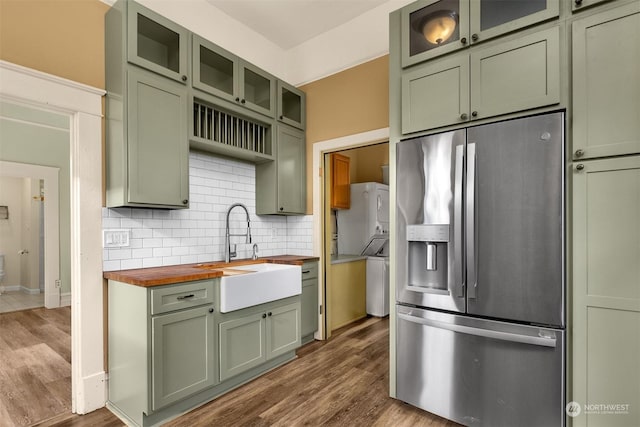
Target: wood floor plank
35,373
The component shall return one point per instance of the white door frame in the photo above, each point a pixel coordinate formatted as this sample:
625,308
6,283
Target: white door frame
51,222
83,105
319,149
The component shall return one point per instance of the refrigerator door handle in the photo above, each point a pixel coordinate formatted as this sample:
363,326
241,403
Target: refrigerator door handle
471,232
457,221
544,341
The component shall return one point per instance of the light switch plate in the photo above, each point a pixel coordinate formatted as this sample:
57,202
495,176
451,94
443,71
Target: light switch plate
115,238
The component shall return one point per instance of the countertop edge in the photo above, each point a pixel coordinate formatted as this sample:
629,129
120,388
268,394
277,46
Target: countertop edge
171,274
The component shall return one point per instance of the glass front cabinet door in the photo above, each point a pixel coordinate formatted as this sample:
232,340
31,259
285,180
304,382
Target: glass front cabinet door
156,43
431,28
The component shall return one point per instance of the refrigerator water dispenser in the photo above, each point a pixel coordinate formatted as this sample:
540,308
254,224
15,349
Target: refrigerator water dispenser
428,260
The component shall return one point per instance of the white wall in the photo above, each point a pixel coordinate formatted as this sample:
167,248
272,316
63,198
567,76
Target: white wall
168,237
11,229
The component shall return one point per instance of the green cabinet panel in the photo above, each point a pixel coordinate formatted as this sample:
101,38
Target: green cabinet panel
472,22
221,73
577,5
242,344
309,301
183,354
157,145
252,336
517,75
281,185
283,329
292,107
502,78
606,289
156,43
435,94
606,87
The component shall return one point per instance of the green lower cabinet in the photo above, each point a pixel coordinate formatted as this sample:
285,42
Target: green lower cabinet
242,344
606,292
252,336
309,301
183,355
172,350
283,330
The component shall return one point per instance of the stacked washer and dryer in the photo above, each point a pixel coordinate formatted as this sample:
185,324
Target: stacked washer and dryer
363,230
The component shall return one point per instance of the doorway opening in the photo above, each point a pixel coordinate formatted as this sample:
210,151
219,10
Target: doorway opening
322,236
30,237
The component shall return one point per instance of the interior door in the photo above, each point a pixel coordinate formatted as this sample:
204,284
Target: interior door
515,220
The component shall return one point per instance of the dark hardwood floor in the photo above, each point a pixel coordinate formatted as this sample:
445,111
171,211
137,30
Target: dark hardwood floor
340,382
35,365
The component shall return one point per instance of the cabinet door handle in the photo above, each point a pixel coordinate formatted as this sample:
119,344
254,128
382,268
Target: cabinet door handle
237,99
464,116
474,114
264,316
474,37
463,40
186,296
184,78
243,101
306,271
580,167
579,153
270,313
281,117
281,208
578,2
211,310
185,201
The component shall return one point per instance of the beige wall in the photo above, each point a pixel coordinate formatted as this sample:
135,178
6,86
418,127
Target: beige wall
60,37
366,162
350,102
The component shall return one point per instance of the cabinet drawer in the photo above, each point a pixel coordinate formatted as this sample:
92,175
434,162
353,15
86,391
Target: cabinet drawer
184,295
309,271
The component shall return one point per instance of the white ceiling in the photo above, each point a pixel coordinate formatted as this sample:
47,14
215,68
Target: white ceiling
289,23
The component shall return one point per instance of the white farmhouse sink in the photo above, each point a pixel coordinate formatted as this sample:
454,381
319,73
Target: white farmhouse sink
247,285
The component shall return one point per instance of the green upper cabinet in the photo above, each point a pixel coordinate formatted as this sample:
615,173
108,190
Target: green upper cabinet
221,73
215,70
606,117
430,28
157,145
281,184
156,43
499,78
292,108
147,146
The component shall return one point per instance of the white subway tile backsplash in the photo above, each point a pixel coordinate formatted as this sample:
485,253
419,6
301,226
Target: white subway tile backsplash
166,237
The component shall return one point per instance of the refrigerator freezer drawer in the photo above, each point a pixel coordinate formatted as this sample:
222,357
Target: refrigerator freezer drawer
480,372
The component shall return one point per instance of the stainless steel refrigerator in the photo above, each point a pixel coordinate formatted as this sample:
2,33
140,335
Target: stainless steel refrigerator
480,280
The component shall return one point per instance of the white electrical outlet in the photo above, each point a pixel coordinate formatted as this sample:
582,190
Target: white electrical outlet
274,233
115,238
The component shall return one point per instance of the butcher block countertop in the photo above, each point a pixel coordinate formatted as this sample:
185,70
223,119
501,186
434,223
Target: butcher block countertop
156,276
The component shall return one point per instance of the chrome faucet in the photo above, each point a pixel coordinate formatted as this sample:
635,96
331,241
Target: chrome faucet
255,252
228,253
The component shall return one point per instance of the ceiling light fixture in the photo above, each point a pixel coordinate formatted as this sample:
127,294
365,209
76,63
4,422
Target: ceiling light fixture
439,26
